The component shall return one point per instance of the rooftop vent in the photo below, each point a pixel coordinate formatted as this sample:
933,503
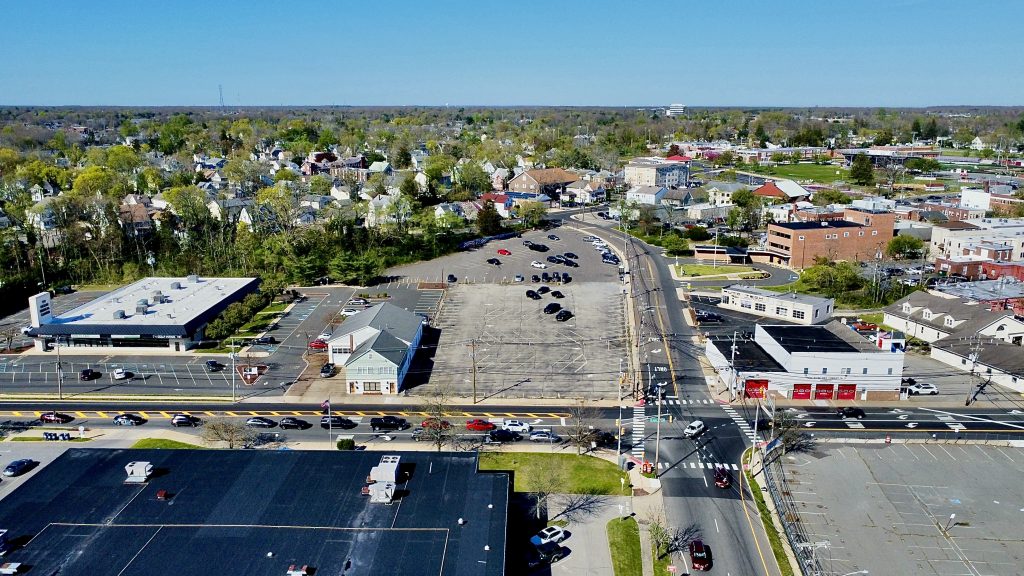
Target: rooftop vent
175,285
118,314
142,302
138,472
193,278
382,480
141,309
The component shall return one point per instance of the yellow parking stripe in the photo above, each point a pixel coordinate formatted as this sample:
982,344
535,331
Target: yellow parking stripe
80,414
251,413
208,413
101,414
165,414
274,414
231,414
38,414
17,413
144,415
297,413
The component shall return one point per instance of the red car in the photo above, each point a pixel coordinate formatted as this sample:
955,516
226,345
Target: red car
722,478
318,344
479,425
700,556
435,423
55,418
864,326
504,252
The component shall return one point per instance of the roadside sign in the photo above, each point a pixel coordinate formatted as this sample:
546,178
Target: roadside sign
672,569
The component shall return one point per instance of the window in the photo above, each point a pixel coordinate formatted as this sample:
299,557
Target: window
889,372
371,386
780,311
824,370
949,321
874,232
798,314
759,307
846,234
864,371
861,233
1001,328
800,237
906,307
963,361
745,304
927,315
807,370
846,371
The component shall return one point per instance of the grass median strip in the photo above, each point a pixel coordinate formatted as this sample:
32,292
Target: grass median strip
708,269
557,473
164,444
774,538
662,563
624,544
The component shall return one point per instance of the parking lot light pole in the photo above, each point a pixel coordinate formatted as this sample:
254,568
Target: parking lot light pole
233,371
60,371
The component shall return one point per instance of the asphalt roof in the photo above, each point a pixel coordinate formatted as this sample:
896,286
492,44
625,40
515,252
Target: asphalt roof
808,339
386,317
256,512
750,357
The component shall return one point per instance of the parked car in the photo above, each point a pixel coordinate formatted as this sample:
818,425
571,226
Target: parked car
553,237
214,366
544,436
557,294
922,388
349,311
55,418
388,423
535,279
563,315
570,256
722,477
182,419
327,370
88,374
336,422
545,277
452,278
264,340
127,419
550,534
554,259
494,262
700,556
260,422
552,308
516,426
539,247
705,316
864,326
478,425
293,423
532,295
543,290
436,424
504,252
26,330
501,436
570,264
538,264
850,412
121,374
694,429
19,467
318,344
545,554
519,278
359,302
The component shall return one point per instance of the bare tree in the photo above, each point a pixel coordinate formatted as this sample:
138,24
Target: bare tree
8,332
548,482
436,408
579,429
668,539
223,430
793,439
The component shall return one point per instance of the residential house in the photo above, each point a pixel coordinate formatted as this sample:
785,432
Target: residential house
375,348
419,159
41,216
228,209
380,167
782,191
499,178
720,193
977,144
502,202
548,181
650,195
315,201
677,197
932,316
382,210
304,216
341,192
470,209
46,190
583,192
447,208
5,222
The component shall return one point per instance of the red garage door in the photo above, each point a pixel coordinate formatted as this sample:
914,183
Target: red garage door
823,391
756,388
847,391
801,391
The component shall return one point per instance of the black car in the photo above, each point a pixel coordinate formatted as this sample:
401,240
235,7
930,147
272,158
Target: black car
265,340
547,553
545,276
129,420
185,420
19,467
535,279
336,422
554,259
703,316
452,278
552,308
291,422
570,264
55,418
532,295
538,247
557,294
88,374
543,290
570,256
214,366
494,262
566,278
552,237
850,412
563,315
327,370
501,436
260,422
388,423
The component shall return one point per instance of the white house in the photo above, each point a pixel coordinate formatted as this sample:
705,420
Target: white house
978,144
375,348
383,210
932,317
791,307
583,192
651,195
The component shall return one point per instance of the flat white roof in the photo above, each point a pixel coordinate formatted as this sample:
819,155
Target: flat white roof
788,296
173,306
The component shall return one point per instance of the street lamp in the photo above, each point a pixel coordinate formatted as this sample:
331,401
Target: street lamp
60,371
949,523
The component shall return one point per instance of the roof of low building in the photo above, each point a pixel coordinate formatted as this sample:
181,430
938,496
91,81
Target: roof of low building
823,224
831,337
545,176
985,290
993,352
385,317
793,296
750,357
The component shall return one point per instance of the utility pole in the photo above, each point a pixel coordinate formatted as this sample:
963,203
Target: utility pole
472,355
732,366
657,434
60,371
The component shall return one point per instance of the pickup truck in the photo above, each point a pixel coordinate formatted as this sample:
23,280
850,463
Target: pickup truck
388,423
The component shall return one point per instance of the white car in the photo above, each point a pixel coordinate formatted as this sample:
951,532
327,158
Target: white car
538,264
550,534
325,335
349,311
120,374
922,388
516,426
26,329
694,429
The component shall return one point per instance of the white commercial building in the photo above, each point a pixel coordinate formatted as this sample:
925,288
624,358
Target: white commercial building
166,313
951,238
657,172
650,195
792,307
830,362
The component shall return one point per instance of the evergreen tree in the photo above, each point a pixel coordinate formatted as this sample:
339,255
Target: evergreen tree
862,172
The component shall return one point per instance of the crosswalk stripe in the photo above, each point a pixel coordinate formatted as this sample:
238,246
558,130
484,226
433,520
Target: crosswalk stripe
854,424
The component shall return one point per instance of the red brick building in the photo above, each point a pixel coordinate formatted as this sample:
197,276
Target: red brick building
859,236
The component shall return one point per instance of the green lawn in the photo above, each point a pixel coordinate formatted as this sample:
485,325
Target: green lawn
708,269
825,174
872,317
661,564
624,543
163,444
575,474
274,308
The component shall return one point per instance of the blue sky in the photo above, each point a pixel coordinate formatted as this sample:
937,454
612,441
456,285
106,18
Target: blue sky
526,52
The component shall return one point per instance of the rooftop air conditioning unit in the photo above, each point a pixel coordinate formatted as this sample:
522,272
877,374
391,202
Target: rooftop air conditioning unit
138,472
118,314
193,278
175,285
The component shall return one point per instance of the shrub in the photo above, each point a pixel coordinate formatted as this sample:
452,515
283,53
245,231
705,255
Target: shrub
346,444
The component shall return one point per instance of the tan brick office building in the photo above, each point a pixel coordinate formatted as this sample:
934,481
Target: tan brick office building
860,235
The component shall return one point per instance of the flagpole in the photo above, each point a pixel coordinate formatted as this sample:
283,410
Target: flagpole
330,421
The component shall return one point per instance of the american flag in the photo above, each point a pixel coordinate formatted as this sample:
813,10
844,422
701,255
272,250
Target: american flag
325,405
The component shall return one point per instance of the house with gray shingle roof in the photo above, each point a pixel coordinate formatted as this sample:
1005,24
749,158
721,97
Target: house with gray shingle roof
930,317
375,348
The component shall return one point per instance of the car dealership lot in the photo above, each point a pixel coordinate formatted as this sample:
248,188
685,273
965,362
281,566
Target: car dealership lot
888,508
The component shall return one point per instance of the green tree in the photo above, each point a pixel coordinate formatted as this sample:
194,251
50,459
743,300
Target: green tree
473,178
675,245
403,158
123,159
830,196
488,221
320,185
904,247
410,188
922,164
698,234
883,138
95,181
862,172
778,157
833,278
532,213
